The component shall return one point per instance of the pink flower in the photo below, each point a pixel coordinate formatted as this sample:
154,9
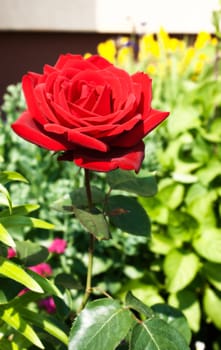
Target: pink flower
42,269
58,246
11,253
48,305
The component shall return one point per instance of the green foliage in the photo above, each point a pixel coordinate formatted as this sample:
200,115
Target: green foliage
17,316
163,249
161,329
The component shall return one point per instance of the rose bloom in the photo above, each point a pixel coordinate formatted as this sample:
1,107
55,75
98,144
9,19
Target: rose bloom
58,246
11,253
42,269
93,112
48,305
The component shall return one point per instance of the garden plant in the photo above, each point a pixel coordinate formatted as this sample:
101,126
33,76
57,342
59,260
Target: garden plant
151,277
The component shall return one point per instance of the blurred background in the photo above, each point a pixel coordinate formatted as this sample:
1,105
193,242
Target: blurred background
35,32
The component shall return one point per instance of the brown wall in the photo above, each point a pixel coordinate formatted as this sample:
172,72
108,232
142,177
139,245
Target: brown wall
29,51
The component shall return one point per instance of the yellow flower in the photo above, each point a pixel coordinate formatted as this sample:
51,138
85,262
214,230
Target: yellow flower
151,69
176,45
164,39
125,54
214,41
87,55
188,57
202,39
107,50
148,46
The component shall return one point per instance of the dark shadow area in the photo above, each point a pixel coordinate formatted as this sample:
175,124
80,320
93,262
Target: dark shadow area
29,51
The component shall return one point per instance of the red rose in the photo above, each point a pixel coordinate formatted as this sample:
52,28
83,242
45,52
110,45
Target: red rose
95,113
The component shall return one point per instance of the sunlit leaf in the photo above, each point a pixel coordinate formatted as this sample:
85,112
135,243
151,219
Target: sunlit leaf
7,176
103,324
47,285
17,220
13,318
5,237
175,318
212,306
180,269
188,302
212,273
11,270
208,244
20,210
134,303
156,334
44,323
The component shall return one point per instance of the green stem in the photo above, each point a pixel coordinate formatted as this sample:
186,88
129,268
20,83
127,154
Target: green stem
88,286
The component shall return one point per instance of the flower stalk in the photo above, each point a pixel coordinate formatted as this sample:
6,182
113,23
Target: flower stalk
88,287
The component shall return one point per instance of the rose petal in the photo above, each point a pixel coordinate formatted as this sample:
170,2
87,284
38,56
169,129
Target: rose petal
27,86
63,59
39,93
77,137
99,61
103,104
155,117
68,118
132,137
26,127
86,141
145,82
130,159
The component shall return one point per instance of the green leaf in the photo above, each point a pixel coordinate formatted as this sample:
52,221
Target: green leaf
214,132
67,281
185,117
181,226
20,210
127,181
17,220
180,269
147,293
5,198
156,210
9,290
170,193
47,285
134,303
175,318
103,324
31,253
7,176
15,272
128,215
212,306
156,334
208,244
5,237
208,173
79,197
13,318
188,302
95,223
161,244
212,272
44,323
200,204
